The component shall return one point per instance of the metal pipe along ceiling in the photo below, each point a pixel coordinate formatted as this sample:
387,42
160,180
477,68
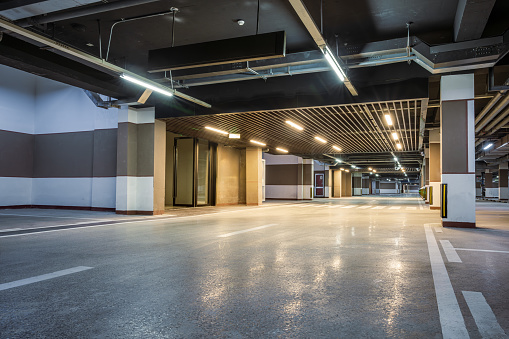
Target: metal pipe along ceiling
82,12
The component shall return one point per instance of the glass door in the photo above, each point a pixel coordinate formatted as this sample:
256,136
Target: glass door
202,172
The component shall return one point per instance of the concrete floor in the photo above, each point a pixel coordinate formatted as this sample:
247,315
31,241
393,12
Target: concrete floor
369,267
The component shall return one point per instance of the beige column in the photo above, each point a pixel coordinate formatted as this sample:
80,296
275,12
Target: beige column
434,169
337,183
254,174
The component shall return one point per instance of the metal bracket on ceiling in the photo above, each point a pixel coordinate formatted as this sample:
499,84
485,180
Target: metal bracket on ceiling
98,101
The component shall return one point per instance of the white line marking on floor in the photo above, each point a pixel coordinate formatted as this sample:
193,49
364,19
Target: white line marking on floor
439,229
451,319
395,207
449,251
48,216
350,206
38,278
364,207
336,206
411,208
421,207
143,220
378,208
483,315
244,231
476,250
10,229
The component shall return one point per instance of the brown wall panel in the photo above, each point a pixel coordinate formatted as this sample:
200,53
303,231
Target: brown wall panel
426,170
387,186
63,155
105,153
145,165
454,137
502,177
434,168
308,174
282,174
16,154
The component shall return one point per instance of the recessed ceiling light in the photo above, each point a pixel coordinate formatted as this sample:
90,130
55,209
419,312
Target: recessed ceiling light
258,143
347,170
294,125
374,171
337,148
321,140
395,136
342,169
370,168
89,44
488,146
282,150
216,130
398,146
388,119
234,136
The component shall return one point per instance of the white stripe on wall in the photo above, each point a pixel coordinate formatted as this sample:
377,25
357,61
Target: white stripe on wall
104,192
62,191
15,191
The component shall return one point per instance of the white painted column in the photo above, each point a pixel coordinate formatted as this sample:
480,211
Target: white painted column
457,146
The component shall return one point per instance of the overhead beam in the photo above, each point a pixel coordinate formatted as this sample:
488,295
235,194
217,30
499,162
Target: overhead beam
317,36
471,18
91,60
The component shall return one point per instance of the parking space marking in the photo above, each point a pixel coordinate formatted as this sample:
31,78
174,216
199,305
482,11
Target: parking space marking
411,208
244,231
449,251
451,319
43,277
395,208
364,207
350,206
439,229
476,250
483,315
378,208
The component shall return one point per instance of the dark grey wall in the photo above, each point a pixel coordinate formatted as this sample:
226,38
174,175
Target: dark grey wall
16,154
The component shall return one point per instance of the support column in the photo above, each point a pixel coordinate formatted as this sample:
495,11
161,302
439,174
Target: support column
488,184
503,190
357,183
434,169
457,150
141,153
426,173
254,174
346,184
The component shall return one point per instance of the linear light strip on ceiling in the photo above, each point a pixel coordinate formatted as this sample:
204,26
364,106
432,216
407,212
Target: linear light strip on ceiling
395,124
146,85
385,126
371,121
401,136
368,126
87,57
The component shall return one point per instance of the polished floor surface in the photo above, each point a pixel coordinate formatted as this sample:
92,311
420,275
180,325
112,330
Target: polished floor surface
366,267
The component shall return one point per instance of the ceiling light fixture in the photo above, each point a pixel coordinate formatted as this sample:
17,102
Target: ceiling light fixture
488,146
388,119
282,150
342,169
234,136
395,136
216,130
337,148
370,168
398,146
334,64
347,170
258,143
294,125
146,85
321,140
395,159
374,171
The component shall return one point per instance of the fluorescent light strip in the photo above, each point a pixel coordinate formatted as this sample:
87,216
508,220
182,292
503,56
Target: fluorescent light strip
395,136
398,146
388,119
258,143
146,85
488,146
337,148
331,59
294,125
321,140
234,136
281,150
216,130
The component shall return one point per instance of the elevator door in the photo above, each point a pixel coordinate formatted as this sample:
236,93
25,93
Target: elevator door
319,184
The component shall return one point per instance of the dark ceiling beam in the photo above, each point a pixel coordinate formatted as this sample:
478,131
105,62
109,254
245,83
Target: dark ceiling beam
471,18
6,5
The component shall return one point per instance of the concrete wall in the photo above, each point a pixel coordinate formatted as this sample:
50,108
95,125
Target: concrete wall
288,177
65,147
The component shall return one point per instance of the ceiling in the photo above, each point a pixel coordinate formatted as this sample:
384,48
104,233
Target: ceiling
444,37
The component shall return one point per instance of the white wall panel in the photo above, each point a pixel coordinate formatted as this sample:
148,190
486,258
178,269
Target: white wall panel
491,192
17,100
281,191
272,159
62,191
460,197
104,192
15,191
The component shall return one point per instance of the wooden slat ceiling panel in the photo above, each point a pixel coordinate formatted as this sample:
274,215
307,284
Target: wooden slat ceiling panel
355,128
